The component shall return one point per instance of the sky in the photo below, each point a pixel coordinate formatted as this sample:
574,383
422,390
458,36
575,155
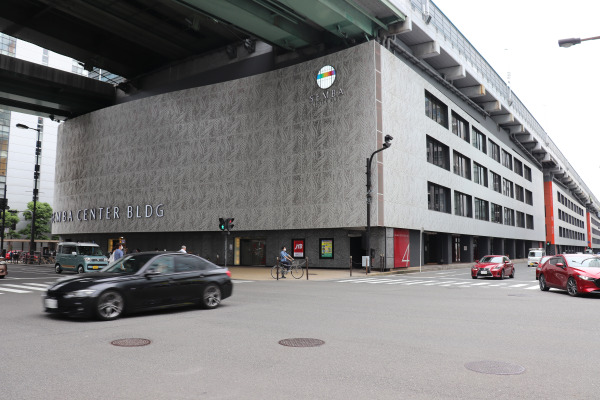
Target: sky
559,86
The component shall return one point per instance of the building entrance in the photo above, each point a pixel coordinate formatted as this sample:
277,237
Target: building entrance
252,252
432,247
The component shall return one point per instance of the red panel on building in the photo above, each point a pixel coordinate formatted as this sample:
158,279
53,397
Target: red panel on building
401,248
549,203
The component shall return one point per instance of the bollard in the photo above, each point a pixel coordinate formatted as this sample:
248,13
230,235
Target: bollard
350,265
278,267
306,268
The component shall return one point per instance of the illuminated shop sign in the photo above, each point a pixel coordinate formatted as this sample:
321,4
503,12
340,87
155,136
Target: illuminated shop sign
325,79
109,213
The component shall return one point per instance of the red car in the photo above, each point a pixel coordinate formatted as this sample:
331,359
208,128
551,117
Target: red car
538,267
493,267
575,273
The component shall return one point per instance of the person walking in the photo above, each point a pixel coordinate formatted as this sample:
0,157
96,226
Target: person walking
118,252
285,259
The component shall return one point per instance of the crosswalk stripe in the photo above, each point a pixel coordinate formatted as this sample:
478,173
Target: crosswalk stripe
396,282
24,287
417,282
13,290
480,284
520,285
532,287
37,284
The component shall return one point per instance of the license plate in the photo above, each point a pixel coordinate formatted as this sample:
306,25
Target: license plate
94,267
51,303
483,272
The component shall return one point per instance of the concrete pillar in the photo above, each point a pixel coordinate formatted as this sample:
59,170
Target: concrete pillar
483,244
446,248
510,248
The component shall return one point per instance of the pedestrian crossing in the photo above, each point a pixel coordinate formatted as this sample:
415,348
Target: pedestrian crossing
443,282
24,287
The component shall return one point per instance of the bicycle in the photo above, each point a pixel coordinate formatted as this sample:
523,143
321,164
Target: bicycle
296,270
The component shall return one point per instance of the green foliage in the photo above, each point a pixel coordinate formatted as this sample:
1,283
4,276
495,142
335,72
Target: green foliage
43,215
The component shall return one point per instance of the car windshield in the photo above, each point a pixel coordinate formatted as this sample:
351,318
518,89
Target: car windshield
490,259
535,254
583,261
129,264
89,251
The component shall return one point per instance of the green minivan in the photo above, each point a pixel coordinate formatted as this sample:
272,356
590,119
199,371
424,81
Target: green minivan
79,257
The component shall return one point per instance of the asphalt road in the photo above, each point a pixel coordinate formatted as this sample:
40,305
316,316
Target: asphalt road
394,337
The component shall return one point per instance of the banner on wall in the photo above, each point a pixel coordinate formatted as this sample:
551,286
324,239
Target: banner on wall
326,248
401,248
298,248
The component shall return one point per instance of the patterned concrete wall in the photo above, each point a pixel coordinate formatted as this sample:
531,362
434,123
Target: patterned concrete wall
274,151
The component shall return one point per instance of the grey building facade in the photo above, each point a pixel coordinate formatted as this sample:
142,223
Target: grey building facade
286,158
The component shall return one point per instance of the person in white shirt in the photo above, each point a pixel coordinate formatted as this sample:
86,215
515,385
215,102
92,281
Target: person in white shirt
183,249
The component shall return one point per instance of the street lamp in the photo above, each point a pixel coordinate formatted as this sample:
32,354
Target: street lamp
386,144
36,179
573,41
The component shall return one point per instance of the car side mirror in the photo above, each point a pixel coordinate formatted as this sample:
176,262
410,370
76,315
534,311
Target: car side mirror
149,274
506,262
561,265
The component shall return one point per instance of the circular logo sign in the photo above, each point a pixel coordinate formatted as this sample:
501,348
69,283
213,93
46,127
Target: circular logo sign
326,77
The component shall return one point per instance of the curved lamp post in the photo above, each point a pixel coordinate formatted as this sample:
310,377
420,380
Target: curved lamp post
573,41
36,179
386,144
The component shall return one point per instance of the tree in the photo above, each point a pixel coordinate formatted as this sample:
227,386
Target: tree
11,219
43,214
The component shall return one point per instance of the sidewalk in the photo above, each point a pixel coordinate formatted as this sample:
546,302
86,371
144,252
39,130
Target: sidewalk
260,273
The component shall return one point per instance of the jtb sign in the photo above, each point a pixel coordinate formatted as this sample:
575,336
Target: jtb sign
298,248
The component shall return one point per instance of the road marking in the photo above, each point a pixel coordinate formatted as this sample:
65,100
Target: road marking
480,284
417,282
532,287
24,287
240,281
397,282
436,283
520,285
37,284
13,290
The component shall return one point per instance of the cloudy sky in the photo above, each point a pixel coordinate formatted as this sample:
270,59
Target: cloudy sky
559,86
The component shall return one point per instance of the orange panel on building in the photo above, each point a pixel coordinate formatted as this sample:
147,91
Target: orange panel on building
549,204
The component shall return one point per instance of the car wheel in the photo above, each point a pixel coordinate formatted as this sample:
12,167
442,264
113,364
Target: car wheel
110,305
80,269
57,268
543,286
211,297
474,277
502,274
512,275
572,287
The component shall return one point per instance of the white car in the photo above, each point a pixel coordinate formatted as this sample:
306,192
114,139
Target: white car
533,259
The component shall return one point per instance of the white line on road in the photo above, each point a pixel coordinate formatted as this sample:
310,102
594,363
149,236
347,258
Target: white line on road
480,284
532,287
415,283
36,284
13,290
23,287
520,285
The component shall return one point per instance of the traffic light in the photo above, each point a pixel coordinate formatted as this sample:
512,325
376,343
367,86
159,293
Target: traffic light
547,243
229,224
222,224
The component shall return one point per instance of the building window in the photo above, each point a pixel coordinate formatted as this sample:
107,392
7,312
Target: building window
462,165
494,151
479,141
438,153
528,197
438,198
507,159
519,193
436,110
462,205
520,219
460,127
509,217
508,188
496,213
518,167
482,210
527,172
496,182
529,220
480,174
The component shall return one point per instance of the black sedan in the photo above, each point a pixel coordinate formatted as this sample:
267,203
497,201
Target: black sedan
141,281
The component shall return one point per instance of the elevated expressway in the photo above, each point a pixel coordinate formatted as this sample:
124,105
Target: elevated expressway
164,45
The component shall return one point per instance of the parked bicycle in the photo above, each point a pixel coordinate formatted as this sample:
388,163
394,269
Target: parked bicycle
296,269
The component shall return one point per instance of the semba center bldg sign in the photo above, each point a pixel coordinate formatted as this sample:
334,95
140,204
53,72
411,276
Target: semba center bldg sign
109,213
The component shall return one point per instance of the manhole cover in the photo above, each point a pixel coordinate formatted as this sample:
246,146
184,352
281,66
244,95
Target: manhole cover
495,367
131,342
301,342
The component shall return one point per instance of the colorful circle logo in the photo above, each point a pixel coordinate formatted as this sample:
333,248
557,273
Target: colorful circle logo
326,77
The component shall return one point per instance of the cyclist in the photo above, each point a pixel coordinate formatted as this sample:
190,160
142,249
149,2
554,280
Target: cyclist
285,260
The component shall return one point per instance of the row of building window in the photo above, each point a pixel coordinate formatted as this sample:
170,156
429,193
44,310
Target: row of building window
438,111
595,241
439,199
569,234
569,204
563,216
595,223
595,231
439,154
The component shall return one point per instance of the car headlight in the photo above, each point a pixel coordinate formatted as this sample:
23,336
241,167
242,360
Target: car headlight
87,259
496,267
586,278
80,293
475,267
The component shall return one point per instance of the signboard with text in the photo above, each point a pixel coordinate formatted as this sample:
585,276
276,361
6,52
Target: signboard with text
298,248
325,248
